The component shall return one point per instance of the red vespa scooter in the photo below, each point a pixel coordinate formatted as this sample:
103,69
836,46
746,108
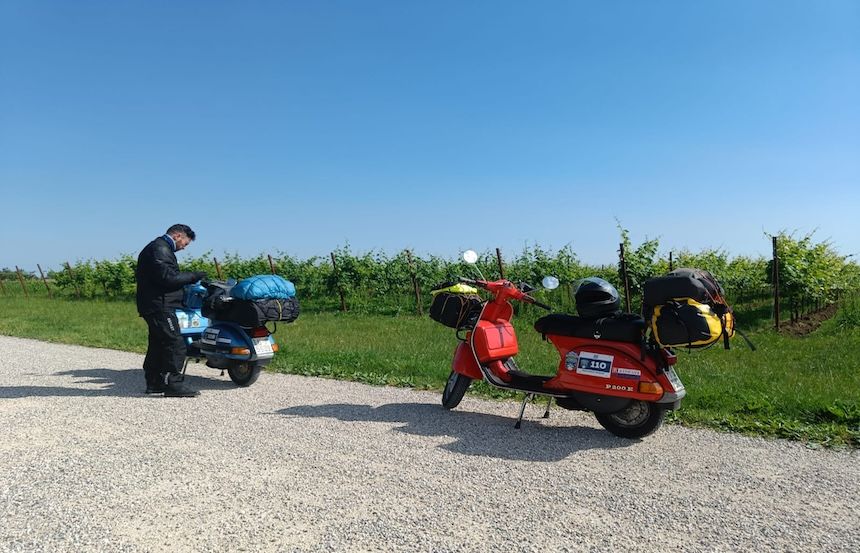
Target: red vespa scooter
606,366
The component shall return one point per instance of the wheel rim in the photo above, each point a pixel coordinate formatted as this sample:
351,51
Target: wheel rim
242,370
636,414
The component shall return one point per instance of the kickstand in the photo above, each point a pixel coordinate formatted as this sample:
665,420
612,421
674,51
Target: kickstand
184,366
523,409
548,404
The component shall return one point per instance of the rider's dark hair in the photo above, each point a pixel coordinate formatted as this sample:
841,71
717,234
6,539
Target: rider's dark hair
184,229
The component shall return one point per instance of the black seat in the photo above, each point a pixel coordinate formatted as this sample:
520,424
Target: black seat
626,327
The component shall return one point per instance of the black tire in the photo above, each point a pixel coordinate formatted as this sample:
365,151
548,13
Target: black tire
638,420
455,389
245,374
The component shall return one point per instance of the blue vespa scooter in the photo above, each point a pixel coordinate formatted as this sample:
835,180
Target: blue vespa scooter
242,351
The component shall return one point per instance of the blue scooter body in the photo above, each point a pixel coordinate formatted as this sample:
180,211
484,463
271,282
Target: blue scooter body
224,344
192,323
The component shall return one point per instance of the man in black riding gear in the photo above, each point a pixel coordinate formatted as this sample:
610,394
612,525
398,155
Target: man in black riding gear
159,294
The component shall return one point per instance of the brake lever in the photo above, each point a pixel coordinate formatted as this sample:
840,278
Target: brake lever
533,301
525,287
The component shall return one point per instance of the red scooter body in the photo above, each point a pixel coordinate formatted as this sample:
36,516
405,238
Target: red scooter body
627,384
614,369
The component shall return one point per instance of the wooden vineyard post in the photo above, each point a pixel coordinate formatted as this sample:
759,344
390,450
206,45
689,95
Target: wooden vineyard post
2,286
271,265
624,277
48,288
670,262
72,276
217,268
499,261
21,280
339,289
418,306
775,280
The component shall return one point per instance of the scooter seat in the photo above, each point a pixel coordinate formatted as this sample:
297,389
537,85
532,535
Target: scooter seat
626,327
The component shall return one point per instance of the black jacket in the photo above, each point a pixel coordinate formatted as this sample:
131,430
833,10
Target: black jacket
159,280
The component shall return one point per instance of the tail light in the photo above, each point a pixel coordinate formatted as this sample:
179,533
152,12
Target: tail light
669,357
650,388
260,332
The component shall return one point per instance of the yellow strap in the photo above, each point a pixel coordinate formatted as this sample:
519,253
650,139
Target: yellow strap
459,288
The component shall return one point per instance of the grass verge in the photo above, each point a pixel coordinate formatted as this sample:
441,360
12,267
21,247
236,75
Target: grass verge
796,388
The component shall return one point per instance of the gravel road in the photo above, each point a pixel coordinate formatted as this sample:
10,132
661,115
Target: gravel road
90,463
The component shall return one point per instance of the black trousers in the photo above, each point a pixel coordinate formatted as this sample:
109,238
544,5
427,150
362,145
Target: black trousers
166,350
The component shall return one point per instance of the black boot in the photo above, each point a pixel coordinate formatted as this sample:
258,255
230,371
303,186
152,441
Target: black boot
155,387
174,387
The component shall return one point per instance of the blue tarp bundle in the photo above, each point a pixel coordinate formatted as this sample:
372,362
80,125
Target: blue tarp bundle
264,287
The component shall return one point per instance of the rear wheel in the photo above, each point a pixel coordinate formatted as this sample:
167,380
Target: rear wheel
244,374
455,389
638,420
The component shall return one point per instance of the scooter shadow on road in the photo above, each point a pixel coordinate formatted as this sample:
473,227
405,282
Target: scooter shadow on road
112,382
476,434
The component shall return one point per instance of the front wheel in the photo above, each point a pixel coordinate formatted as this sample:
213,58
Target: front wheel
638,420
244,374
455,389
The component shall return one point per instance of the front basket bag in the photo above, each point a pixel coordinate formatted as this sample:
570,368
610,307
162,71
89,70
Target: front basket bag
456,310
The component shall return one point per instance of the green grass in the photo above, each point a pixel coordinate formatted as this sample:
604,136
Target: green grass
97,323
797,388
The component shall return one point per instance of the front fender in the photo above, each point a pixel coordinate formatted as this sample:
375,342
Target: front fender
464,362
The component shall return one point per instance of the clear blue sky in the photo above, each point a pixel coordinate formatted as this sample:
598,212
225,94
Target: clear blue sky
437,125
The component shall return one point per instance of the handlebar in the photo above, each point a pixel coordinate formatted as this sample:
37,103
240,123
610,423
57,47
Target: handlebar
478,283
529,299
539,304
495,288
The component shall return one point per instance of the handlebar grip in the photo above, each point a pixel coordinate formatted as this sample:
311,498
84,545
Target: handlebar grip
529,299
473,282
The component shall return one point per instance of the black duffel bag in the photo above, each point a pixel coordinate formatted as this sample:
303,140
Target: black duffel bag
697,284
456,310
252,313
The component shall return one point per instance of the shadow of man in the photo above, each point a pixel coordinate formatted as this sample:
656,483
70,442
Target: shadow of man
104,382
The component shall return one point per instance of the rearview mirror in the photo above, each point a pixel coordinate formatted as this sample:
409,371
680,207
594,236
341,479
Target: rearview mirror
549,282
470,257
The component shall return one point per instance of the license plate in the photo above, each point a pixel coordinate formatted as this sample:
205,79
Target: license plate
674,380
263,346
595,364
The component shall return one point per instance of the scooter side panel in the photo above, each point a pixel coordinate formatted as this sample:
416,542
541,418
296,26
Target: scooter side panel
219,339
191,321
464,362
606,368
495,340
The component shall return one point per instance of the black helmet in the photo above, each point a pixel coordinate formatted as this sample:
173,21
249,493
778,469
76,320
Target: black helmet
595,298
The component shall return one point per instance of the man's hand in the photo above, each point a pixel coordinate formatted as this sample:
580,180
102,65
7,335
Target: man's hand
200,275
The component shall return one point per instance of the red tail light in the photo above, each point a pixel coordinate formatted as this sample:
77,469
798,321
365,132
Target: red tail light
260,332
669,357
